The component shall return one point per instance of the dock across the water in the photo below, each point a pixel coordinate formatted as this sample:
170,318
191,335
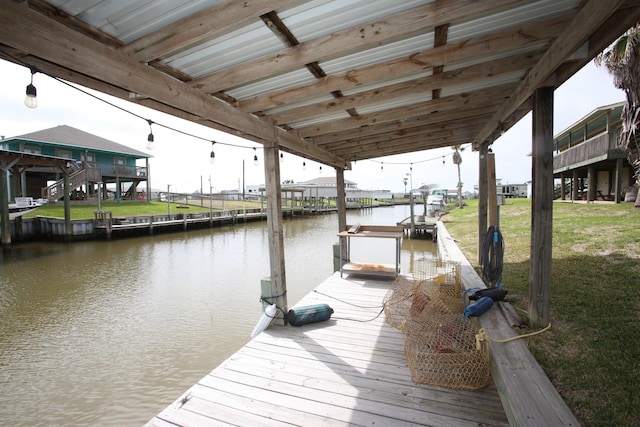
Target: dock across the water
422,225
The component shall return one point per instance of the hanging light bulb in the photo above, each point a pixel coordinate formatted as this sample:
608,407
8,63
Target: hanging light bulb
212,159
30,100
255,157
150,138
320,168
304,165
442,160
281,157
381,166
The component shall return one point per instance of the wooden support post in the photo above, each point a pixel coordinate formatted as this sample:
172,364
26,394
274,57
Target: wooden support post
591,180
563,195
492,197
412,231
617,188
67,206
4,207
482,197
341,203
541,208
274,227
574,186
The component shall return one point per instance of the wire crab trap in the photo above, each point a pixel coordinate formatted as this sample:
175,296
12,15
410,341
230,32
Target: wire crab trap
442,350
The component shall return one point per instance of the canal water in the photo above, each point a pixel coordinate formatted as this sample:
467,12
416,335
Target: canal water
111,332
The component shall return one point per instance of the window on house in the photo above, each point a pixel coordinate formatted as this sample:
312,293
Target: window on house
31,149
65,154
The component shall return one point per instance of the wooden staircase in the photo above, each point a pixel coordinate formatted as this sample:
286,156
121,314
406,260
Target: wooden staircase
55,191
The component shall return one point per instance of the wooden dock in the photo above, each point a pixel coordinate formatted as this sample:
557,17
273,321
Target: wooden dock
421,226
348,370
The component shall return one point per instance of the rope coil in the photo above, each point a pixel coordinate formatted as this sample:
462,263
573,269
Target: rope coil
482,336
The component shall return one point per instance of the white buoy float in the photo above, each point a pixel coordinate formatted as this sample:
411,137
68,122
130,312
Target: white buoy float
265,320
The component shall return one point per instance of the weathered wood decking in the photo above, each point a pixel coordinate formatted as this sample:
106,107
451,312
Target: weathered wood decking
349,370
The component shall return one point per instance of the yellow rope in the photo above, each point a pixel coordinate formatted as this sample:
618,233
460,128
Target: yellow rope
482,335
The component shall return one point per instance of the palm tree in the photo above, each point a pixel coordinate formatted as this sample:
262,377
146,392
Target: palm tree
457,159
622,60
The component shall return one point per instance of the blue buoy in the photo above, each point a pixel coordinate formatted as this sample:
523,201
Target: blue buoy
310,314
479,307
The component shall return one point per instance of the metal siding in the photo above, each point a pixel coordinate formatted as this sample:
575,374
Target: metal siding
247,43
510,18
385,52
282,81
130,20
321,17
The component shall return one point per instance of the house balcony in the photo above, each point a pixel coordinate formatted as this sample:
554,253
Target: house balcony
602,150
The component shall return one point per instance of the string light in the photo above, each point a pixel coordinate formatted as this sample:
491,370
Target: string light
413,162
31,99
281,157
150,137
212,158
381,166
442,160
31,94
255,157
320,168
304,165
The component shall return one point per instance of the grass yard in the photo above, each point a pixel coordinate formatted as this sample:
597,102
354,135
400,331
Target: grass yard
592,352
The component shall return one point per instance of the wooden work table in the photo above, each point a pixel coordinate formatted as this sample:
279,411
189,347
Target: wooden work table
370,231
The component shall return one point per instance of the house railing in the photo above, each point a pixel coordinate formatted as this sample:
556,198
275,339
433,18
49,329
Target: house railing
598,148
121,171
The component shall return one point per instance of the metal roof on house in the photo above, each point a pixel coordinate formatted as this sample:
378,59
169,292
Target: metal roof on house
591,124
334,81
72,137
324,180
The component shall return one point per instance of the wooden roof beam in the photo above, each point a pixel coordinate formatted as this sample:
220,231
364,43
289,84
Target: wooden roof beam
455,126
28,31
408,144
398,126
468,75
414,21
592,15
193,28
529,36
489,97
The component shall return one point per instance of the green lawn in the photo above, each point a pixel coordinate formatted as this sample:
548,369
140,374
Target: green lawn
592,352
128,209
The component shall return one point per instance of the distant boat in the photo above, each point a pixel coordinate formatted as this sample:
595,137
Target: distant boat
22,206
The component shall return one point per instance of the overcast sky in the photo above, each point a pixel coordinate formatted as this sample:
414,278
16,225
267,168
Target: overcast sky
183,161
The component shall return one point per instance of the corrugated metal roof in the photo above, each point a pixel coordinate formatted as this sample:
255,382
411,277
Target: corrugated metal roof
333,70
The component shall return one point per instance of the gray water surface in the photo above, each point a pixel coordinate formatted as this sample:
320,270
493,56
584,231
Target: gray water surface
111,332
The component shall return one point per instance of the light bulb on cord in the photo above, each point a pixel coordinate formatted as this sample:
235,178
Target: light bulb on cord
255,157
31,99
150,138
212,159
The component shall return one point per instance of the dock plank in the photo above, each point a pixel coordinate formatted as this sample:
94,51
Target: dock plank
348,370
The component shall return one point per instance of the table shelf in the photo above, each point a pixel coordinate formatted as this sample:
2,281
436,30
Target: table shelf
370,269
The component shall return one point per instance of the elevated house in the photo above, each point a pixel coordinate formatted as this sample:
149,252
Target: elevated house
88,160
589,161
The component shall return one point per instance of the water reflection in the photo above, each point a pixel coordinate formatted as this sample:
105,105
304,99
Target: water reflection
110,332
